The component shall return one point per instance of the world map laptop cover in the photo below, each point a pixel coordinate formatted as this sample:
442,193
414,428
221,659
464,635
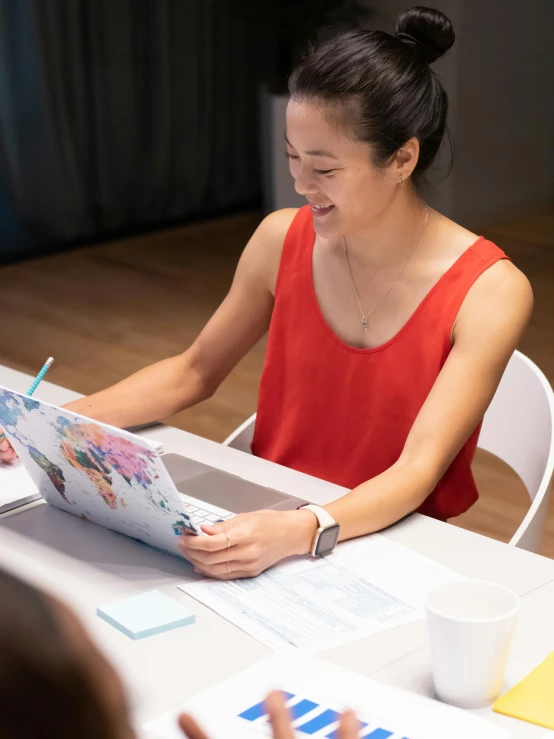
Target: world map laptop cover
94,471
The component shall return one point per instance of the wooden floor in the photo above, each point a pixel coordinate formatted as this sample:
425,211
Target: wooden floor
106,311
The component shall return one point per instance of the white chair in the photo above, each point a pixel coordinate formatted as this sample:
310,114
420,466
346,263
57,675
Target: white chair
518,427
241,438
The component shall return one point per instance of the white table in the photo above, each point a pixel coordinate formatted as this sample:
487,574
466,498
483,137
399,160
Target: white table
88,565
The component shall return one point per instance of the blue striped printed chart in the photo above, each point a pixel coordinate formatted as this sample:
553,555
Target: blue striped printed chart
313,719
316,690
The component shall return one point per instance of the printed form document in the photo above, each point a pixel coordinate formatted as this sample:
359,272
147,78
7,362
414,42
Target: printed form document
365,586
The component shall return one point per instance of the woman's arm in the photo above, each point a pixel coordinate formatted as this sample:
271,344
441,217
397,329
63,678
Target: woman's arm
487,330
169,386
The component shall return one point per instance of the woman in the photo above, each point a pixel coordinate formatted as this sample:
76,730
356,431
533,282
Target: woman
54,682
389,325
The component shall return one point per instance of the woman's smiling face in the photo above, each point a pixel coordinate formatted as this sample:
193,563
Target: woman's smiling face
331,169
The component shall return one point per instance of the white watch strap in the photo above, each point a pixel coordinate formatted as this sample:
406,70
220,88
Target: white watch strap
324,518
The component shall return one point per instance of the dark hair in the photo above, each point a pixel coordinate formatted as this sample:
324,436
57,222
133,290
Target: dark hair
46,689
382,86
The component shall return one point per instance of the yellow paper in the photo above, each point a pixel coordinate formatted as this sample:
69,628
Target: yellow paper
532,699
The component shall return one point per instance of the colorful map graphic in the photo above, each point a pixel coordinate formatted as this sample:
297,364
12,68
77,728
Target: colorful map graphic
52,470
124,478
97,453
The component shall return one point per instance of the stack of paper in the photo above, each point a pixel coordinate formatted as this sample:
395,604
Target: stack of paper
16,486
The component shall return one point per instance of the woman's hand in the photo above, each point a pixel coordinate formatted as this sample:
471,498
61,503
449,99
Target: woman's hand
7,452
249,543
280,721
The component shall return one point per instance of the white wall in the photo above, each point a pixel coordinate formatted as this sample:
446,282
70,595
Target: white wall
441,192
499,77
278,183
505,107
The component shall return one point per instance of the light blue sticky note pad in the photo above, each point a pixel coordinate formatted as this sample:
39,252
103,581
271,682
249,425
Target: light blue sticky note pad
146,614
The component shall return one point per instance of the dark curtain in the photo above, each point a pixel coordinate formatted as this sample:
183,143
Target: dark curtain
118,113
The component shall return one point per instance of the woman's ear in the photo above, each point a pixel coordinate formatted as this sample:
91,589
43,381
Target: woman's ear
405,160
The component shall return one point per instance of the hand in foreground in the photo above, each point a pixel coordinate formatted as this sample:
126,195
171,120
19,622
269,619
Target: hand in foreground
249,543
280,721
7,452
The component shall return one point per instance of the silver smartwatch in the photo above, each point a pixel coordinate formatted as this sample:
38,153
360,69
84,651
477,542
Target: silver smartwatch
327,534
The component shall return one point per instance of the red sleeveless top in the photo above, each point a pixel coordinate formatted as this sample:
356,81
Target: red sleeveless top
341,413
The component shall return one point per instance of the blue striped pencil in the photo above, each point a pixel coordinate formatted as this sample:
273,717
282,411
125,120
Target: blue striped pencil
40,375
36,383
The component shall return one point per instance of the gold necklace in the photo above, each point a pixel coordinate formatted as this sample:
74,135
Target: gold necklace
365,316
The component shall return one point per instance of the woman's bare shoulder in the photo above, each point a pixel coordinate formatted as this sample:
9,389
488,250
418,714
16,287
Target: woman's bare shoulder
500,281
452,235
500,300
276,224
263,251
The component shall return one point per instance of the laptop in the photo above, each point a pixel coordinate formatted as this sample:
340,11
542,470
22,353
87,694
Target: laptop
122,481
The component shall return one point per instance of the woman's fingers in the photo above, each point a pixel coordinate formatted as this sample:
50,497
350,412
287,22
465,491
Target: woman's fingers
278,716
235,571
226,570
215,528
233,575
7,452
190,728
205,543
213,549
251,542
349,726
208,559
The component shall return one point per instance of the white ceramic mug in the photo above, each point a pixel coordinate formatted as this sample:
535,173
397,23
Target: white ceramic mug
470,625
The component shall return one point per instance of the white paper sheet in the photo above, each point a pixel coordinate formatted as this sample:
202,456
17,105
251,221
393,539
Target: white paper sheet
16,486
364,586
318,690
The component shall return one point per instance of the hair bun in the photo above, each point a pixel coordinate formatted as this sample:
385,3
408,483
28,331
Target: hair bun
427,30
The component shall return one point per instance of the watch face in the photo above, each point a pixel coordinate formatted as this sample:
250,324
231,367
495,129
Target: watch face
327,540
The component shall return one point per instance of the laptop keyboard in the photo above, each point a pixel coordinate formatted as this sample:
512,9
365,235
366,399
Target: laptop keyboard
202,512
